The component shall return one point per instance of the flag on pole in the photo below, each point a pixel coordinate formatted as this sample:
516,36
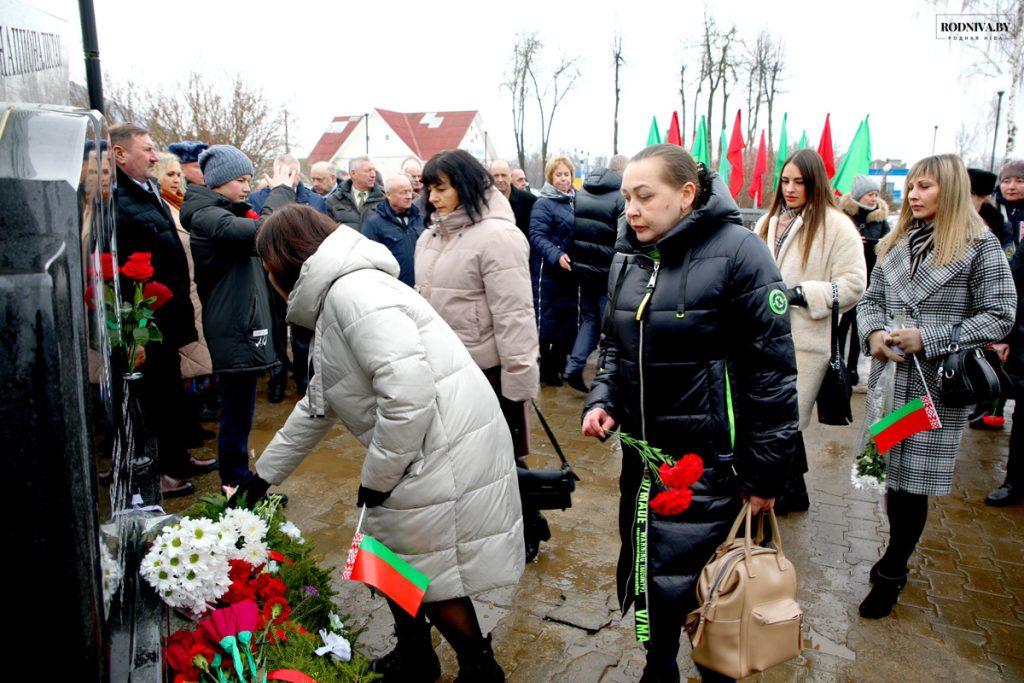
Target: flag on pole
857,159
783,153
374,564
674,136
700,144
724,167
803,144
736,158
760,168
826,150
917,416
653,136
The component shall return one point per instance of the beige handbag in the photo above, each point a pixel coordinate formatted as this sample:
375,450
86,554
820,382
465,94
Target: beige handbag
748,619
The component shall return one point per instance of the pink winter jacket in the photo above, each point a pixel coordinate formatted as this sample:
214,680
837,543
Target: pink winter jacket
477,277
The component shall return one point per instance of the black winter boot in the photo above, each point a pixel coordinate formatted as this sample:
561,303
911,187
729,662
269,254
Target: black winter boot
883,596
412,661
550,366
477,664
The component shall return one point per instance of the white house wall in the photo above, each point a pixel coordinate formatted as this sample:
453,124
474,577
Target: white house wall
387,149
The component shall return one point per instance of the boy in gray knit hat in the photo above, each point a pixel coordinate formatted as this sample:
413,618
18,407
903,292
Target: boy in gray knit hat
222,164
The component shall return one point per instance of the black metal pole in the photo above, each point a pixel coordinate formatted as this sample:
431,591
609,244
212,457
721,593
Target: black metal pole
91,48
995,133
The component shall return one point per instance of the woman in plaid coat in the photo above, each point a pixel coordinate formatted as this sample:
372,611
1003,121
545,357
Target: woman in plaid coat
938,268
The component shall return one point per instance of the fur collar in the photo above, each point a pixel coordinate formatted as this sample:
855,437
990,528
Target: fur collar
851,208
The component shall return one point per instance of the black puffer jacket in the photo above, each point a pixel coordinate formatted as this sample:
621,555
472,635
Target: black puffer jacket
145,224
871,224
598,207
697,358
232,284
1015,363
342,207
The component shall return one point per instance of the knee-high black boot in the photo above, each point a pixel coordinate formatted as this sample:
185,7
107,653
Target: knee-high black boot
413,660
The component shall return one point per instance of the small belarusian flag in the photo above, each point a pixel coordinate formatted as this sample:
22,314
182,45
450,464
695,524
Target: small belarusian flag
373,563
917,416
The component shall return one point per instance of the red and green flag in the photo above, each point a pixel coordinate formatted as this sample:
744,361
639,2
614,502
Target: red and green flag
760,168
374,564
857,159
674,136
653,135
700,149
825,148
735,156
917,416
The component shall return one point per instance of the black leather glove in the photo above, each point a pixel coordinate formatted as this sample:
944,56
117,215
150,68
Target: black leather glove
370,498
796,296
249,492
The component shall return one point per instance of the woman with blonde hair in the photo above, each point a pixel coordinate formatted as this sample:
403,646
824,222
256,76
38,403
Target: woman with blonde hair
820,255
941,279
554,287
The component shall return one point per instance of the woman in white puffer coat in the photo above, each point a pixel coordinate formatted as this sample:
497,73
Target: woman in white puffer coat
439,477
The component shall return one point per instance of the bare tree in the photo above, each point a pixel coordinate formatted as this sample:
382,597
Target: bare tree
717,53
617,62
201,109
524,52
754,67
774,75
557,85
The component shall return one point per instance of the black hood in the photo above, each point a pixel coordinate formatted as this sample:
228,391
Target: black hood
720,209
602,181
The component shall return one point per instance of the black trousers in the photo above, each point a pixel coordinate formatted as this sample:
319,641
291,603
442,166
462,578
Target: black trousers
166,408
907,514
848,325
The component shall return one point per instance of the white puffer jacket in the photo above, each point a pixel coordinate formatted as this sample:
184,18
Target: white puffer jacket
400,380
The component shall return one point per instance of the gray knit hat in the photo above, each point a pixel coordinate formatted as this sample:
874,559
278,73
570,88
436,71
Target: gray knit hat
221,164
1012,169
861,186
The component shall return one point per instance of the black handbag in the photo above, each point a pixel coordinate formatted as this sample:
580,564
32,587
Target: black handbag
970,376
548,489
835,392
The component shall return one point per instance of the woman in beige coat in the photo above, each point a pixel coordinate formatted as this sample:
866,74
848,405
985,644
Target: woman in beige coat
816,247
472,265
438,479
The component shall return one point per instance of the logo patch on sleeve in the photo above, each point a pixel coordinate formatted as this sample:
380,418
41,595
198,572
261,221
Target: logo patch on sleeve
778,302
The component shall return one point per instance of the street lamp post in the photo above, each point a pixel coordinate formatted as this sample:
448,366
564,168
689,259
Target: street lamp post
995,133
935,136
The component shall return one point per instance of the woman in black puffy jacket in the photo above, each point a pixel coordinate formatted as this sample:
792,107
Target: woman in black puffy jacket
697,358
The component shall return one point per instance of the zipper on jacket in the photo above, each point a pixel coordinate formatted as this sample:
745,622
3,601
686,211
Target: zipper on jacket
729,410
648,293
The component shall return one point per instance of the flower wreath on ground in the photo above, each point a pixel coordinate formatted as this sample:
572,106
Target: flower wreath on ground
255,603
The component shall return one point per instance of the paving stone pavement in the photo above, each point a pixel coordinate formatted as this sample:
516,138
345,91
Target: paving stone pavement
960,618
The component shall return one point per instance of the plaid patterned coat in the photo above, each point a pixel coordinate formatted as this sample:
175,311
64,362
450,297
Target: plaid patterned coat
976,291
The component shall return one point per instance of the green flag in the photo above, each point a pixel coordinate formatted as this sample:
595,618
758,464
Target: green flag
783,152
803,141
654,137
700,144
724,167
856,161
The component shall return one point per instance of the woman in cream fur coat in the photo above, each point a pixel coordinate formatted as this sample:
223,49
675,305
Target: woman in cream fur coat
814,245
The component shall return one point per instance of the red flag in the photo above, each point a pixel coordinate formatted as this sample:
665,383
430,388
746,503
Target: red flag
735,157
674,137
825,149
760,168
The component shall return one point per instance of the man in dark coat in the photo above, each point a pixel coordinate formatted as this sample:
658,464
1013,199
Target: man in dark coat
599,205
237,321
698,359
397,224
144,224
1012,350
300,336
1009,198
521,200
353,199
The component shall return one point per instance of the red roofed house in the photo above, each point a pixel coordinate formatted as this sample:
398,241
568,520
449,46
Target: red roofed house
395,137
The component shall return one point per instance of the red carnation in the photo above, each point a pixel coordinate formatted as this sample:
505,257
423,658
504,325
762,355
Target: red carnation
178,650
240,570
159,291
238,591
139,266
274,588
672,502
90,293
684,474
252,215
279,605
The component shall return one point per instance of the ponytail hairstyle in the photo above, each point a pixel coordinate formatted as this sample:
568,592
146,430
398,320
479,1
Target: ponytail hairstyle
678,167
819,198
956,221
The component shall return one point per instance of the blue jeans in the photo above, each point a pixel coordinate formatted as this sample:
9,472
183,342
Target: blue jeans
237,406
592,303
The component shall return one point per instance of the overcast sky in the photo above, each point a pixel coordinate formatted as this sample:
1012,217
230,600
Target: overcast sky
877,57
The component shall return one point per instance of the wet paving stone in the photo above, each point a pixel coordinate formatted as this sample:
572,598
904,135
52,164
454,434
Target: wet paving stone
960,618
